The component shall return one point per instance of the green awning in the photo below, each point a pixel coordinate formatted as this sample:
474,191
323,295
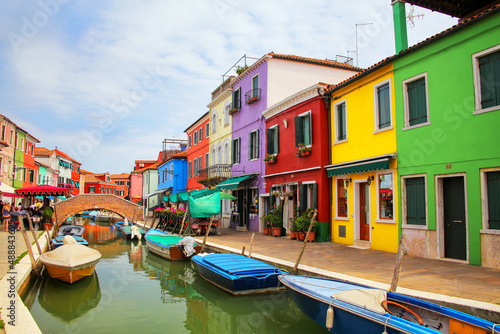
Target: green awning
358,167
203,192
182,196
233,182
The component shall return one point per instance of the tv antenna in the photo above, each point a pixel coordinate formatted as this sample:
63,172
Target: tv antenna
411,16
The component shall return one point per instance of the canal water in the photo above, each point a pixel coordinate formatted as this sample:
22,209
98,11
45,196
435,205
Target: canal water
135,291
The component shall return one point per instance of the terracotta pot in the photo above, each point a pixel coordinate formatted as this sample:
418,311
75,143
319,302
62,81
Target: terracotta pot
312,237
266,230
301,235
308,152
276,231
47,225
293,235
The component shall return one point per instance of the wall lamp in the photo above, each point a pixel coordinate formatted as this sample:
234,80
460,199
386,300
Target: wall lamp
347,181
370,179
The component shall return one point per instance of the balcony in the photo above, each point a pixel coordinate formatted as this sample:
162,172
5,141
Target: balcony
213,175
252,96
234,106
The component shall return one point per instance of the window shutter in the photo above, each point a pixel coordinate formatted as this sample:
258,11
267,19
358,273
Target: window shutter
417,102
257,140
299,131
272,199
233,151
303,198
276,139
415,201
489,72
250,146
315,196
270,141
238,148
493,185
384,109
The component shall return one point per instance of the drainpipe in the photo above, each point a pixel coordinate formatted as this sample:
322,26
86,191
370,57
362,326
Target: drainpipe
400,33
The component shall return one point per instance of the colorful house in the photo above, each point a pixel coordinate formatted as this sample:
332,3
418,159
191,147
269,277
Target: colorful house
19,172
29,161
363,168
266,82
197,152
150,191
7,144
98,183
48,158
122,182
447,113
172,174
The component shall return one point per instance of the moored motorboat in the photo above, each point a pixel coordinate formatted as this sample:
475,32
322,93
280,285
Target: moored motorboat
238,274
76,231
132,231
342,307
71,261
169,246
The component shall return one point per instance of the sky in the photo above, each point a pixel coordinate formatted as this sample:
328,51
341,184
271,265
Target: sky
105,81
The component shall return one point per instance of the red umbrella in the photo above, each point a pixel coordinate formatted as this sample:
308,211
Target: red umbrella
43,190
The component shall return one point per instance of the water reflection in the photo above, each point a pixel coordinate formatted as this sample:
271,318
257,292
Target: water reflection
69,301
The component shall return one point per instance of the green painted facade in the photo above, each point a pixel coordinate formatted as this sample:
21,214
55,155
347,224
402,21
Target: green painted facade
19,159
42,171
456,140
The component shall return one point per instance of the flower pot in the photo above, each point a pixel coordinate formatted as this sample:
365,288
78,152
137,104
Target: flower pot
312,237
276,231
47,226
308,152
266,230
301,236
293,235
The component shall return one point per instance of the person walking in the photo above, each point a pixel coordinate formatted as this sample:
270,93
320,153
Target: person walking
6,216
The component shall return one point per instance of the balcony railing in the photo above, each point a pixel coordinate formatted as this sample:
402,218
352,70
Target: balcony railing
252,96
234,106
213,175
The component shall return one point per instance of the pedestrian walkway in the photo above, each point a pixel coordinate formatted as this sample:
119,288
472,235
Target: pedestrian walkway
428,275
20,248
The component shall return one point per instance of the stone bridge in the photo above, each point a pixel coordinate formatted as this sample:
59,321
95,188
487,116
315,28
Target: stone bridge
89,202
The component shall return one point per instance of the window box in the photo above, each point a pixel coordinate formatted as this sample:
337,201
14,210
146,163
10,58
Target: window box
233,110
270,159
303,151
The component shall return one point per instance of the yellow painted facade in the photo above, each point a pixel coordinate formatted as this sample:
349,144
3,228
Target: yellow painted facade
373,224
220,130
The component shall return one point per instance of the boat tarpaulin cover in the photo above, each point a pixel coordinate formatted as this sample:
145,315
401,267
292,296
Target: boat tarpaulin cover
205,206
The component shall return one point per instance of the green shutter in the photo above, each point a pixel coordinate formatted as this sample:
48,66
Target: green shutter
250,146
384,106
417,102
270,141
315,196
233,151
341,122
493,185
299,130
489,72
303,198
257,140
415,201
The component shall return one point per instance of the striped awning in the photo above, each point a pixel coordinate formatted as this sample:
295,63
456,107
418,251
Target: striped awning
234,182
357,167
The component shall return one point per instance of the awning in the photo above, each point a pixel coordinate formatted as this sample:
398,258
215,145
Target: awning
12,195
357,167
158,191
43,190
182,196
234,182
203,192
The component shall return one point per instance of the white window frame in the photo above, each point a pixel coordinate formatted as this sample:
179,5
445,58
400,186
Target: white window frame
407,125
386,220
375,104
336,122
484,201
308,114
255,153
214,121
404,224
477,79
337,217
276,149
207,130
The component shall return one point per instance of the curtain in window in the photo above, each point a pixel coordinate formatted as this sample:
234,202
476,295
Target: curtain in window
417,102
493,185
415,201
384,107
489,71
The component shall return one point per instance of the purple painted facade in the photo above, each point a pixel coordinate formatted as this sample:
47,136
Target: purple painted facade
248,119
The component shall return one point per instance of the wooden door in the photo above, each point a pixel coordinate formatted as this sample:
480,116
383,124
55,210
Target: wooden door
455,235
364,209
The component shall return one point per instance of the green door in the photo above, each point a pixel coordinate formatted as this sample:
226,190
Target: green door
455,240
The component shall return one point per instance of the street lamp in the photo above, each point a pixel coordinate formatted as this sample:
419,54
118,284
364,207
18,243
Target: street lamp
359,24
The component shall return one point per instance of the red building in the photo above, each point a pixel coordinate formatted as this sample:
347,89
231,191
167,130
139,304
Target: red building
99,184
297,180
29,161
197,151
122,182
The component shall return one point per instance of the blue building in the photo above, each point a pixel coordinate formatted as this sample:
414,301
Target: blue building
172,174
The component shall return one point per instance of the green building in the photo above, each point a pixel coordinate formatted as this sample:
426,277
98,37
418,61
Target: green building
19,172
447,91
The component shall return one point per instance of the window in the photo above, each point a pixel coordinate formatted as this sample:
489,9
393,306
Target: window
172,173
91,189
12,137
383,106
206,160
236,150
255,85
190,169
385,191
32,149
415,209
214,121
195,167
195,137
340,121
3,132
190,141
486,78
200,134
415,101
236,99
493,201
207,129
227,107
341,198
102,190
32,175
200,163
303,129
226,152
253,145
213,156
272,140
17,141
21,147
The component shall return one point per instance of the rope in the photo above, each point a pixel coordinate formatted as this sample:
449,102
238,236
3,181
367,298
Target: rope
493,329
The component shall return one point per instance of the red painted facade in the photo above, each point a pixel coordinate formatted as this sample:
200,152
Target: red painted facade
197,148
302,173
122,182
29,162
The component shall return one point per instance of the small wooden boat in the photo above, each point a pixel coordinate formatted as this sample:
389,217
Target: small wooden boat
76,231
343,308
132,231
238,274
167,246
70,262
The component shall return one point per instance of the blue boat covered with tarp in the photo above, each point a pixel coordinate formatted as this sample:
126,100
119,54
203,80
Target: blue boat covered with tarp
238,274
343,308
76,231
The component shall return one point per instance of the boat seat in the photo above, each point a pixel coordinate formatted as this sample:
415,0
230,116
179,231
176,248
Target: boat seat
370,299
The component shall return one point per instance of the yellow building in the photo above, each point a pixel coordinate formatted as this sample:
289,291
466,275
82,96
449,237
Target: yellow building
363,167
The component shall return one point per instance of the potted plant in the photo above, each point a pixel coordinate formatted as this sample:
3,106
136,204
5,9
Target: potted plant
307,215
303,150
301,222
47,217
270,158
267,224
293,228
277,223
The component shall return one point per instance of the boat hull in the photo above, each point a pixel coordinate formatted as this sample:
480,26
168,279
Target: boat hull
58,241
171,253
254,279
69,274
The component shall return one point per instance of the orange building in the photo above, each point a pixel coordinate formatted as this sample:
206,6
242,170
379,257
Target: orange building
122,182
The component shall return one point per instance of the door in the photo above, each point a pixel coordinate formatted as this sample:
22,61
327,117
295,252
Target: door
455,238
364,210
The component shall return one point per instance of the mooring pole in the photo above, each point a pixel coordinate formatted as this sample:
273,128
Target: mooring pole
206,234
182,224
251,243
399,262
28,246
294,271
34,234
